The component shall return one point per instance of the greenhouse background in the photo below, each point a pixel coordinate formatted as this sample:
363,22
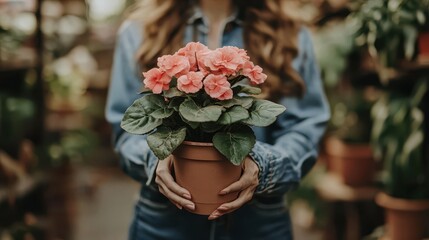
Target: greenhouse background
59,176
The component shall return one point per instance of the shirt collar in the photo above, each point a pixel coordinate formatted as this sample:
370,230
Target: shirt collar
197,15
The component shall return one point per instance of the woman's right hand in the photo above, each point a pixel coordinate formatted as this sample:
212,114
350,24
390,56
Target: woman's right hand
169,188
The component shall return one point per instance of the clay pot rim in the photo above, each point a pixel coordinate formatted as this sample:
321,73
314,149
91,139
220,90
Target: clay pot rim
200,144
389,202
336,147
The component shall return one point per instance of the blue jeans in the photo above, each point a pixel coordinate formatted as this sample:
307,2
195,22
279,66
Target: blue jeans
156,219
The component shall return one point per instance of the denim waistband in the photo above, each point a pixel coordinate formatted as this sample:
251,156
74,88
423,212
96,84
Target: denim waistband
152,194
268,199
156,196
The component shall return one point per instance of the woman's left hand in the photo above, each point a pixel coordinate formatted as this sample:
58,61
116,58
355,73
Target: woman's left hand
246,185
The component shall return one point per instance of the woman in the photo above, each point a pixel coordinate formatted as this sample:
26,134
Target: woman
284,152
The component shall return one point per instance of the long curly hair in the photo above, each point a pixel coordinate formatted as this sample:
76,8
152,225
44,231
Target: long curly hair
270,37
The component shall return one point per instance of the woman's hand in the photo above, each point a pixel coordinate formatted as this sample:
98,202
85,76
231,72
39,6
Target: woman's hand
167,186
246,185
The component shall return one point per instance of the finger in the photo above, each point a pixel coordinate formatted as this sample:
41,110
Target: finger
175,198
176,204
225,208
173,186
243,183
173,202
164,173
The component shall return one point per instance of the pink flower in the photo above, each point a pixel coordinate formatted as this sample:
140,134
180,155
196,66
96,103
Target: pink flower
156,80
226,60
191,51
254,73
174,65
191,82
218,87
226,95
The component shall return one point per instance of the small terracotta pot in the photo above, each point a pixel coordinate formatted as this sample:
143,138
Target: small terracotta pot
354,163
424,45
201,169
405,219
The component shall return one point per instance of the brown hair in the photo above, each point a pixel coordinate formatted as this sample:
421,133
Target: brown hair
270,37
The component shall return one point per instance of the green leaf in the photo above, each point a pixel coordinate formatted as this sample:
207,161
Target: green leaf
157,106
233,115
193,125
164,141
145,91
162,113
190,111
245,102
235,144
211,127
138,117
263,113
247,89
173,92
175,103
410,38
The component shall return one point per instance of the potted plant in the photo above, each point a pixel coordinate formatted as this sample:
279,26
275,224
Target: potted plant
199,110
390,30
347,147
398,138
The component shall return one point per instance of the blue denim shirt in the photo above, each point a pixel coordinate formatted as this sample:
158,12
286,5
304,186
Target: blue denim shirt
284,152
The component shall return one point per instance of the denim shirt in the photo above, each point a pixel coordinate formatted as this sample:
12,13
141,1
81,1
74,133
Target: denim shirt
284,151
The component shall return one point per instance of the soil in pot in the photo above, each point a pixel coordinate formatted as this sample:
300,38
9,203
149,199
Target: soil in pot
202,170
405,219
354,163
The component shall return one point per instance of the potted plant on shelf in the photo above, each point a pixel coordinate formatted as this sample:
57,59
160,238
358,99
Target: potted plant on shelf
347,147
398,138
390,30
200,110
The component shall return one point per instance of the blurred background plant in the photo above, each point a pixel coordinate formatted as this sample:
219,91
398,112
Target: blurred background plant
398,139
68,78
59,177
16,117
70,148
15,28
389,29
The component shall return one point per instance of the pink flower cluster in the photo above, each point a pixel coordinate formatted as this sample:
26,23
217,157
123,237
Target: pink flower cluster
196,67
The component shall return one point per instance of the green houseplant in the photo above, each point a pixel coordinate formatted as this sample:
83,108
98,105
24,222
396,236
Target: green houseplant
348,148
390,28
199,95
398,138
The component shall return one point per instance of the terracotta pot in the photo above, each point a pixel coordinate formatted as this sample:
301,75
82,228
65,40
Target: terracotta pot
405,219
201,169
424,45
354,163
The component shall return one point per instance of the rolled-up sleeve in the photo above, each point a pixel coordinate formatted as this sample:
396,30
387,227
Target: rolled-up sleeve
136,159
294,138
